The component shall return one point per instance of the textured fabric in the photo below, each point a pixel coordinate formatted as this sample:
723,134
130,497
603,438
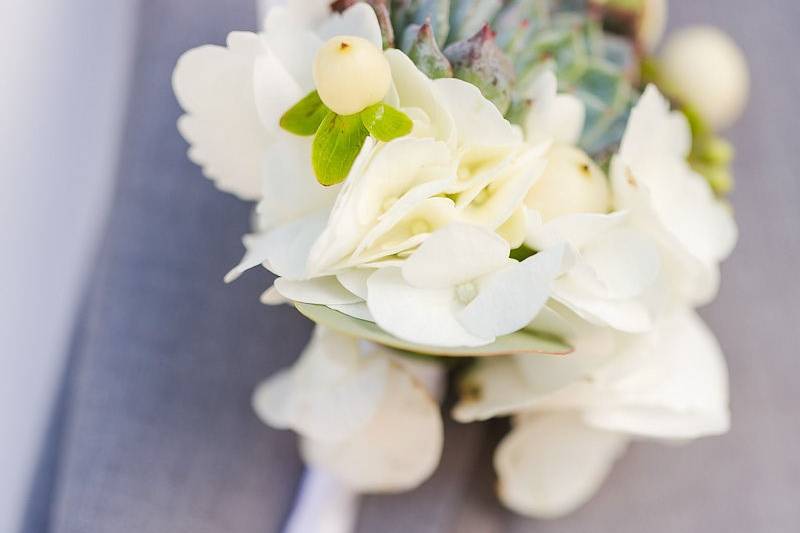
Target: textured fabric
160,436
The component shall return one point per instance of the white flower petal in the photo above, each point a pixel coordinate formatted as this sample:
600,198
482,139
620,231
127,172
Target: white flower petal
507,193
576,229
423,316
322,291
359,21
457,253
333,390
214,85
415,89
414,214
550,465
405,170
651,177
290,188
290,34
624,260
680,391
357,310
500,386
478,121
510,298
276,91
630,316
554,117
283,250
514,229
271,296
396,451
355,280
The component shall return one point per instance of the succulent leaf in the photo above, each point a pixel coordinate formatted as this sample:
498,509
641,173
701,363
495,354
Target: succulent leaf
478,60
468,17
418,12
425,53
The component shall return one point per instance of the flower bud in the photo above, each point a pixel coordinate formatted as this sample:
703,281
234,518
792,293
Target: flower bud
351,74
704,68
571,183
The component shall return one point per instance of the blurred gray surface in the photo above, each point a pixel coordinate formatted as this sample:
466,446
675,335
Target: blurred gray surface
160,437
63,91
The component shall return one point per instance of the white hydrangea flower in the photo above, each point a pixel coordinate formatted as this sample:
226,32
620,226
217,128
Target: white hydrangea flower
461,289
611,280
670,384
669,202
366,415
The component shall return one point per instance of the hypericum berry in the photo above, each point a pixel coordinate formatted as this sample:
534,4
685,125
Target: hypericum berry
351,74
706,69
571,183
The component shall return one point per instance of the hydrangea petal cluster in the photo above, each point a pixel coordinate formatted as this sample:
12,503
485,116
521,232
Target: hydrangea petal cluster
466,230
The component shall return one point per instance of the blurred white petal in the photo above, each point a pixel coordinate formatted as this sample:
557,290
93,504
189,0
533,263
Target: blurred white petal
330,393
549,465
396,451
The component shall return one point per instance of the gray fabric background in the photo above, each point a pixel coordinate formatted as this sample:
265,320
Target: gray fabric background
158,435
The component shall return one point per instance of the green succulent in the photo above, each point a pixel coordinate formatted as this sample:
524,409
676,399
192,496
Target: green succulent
501,46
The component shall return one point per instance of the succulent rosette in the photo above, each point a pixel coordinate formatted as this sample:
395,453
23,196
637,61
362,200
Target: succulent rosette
482,190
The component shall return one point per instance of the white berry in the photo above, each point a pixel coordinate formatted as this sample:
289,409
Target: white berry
571,183
706,69
351,74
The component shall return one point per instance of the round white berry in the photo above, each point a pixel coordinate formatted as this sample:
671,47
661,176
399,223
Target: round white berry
706,69
571,183
351,74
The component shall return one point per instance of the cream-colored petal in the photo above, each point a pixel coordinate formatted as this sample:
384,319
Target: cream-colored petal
422,316
283,250
396,451
405,171
324,291
457,253
477,120
214,85
679,391
290,188
415,89
509,299
358,21
549,465
333,391
553,117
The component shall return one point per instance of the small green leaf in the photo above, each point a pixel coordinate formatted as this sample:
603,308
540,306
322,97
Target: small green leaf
337,144
305,117
386,123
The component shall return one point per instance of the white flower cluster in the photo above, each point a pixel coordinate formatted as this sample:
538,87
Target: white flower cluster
417,243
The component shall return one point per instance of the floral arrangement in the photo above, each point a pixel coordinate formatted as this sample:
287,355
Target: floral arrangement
514,198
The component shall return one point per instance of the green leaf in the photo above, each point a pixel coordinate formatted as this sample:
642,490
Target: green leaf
305,117
521,342
337,144
386,123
